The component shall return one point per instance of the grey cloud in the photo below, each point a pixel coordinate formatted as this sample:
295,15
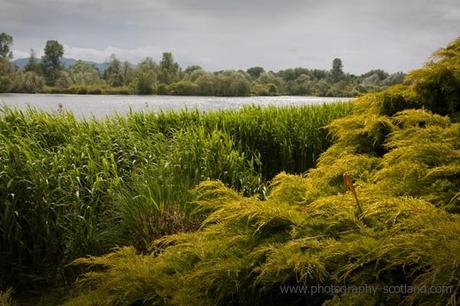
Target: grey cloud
221,34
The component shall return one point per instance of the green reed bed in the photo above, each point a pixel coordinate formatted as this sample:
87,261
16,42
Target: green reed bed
285,138
72,187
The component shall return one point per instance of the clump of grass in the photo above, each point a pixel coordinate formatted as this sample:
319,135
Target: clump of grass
306,232
6,299
157,201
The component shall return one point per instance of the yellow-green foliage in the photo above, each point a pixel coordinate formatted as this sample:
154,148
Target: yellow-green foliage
309,231
5,298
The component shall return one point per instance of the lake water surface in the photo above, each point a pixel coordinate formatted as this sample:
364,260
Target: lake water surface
104,105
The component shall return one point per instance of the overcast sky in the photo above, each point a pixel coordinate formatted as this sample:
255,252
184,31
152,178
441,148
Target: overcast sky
396,35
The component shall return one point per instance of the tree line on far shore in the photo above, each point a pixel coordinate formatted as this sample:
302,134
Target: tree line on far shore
166,77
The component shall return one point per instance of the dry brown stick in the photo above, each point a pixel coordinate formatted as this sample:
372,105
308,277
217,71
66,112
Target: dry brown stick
349,184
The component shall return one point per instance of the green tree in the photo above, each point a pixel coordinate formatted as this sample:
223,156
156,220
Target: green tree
379,72
28,81
146,77
273,89
255,72
169,69
63,79
394,78
336,71
191,69
301,86
207,82
185,88
52,61
148,64
7,71
113,74
233,83
127,72
143,84
6,41
258,89
196,74
82,73
33,65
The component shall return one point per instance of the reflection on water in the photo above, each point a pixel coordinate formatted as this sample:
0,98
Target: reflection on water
101,106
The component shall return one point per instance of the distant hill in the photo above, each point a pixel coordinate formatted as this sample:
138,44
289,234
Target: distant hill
67,62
